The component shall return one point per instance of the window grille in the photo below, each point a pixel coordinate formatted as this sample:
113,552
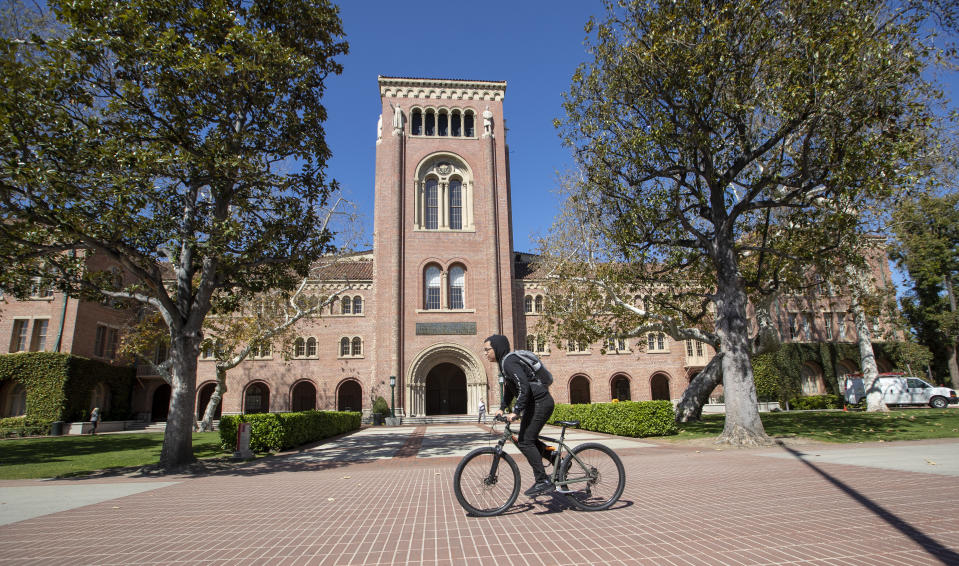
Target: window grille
432,205
457,288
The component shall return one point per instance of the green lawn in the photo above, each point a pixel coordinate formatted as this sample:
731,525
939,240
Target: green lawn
839,426
65,456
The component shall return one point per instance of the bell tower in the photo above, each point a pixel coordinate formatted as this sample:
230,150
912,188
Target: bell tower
442,241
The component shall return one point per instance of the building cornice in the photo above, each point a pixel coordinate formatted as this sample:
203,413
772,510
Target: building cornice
441,89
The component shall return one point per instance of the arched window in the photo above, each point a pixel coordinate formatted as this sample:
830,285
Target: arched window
432,284
811,379
660,341
443,128
311,347
539,303
541,343
344,346
432,204
357,305
346,305
528,304
456,205
417,122
299,348
430,123
357,346
457,287
455,124
16,402
621,388
468,124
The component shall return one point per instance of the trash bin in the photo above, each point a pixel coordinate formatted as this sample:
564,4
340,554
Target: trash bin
377,419
56,429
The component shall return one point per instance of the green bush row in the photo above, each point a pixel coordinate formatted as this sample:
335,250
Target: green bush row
624,418
272,432
816,402
14,427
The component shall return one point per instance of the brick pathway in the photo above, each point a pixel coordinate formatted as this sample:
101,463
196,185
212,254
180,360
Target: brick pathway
368,500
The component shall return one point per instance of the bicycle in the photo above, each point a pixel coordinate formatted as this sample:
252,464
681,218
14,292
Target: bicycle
590,476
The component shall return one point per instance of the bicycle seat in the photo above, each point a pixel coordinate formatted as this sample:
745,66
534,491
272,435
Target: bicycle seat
568,423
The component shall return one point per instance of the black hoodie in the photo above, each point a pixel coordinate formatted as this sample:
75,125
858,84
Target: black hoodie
516,382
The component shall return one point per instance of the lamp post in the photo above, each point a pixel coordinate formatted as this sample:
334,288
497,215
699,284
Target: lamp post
501,378
393,396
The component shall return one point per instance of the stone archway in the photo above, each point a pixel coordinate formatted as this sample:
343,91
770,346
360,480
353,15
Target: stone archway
439,357
446,390
349,396
161,403
659,387
203,399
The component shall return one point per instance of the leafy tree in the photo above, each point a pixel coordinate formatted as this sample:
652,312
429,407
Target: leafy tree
179,139
736,145
927,247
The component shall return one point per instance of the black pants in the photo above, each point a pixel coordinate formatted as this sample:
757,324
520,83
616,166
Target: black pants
535,415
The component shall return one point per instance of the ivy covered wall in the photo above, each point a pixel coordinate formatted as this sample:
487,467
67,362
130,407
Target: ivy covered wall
60,387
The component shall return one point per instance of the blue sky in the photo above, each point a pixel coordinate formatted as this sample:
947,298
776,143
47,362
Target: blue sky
535,46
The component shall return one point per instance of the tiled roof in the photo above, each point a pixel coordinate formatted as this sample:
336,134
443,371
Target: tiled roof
345,270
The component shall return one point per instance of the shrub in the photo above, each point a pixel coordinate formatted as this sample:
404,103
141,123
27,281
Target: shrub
815,402
272,432
22,426
380,406
625,418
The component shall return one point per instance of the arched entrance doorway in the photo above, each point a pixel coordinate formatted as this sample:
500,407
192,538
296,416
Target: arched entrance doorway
620,388
659,387
203,399
256,399
304,397
349,397
446,390
161,403
447,372
579,390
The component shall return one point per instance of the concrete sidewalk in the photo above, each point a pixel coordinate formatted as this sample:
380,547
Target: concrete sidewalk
384,496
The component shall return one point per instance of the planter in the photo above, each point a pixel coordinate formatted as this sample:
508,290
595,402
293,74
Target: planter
377,419
394,421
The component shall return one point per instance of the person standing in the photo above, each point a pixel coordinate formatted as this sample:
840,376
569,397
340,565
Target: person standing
482,412
533,402
95,419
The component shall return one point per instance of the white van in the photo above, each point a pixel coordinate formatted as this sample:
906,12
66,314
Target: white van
898,389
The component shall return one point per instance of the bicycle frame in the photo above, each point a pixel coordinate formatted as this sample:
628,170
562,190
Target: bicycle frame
561,446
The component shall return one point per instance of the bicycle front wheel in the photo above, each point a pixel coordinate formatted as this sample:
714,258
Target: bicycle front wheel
592,477
481,490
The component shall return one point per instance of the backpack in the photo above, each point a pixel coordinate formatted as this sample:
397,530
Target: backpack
533,362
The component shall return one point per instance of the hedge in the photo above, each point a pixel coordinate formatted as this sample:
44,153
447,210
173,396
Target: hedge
272,432
816,402
60,386
623,418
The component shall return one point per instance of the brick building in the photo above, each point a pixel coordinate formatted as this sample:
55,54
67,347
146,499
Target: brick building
441,277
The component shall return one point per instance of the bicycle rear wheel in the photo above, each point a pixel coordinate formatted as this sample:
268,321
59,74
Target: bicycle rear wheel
482,492
593,480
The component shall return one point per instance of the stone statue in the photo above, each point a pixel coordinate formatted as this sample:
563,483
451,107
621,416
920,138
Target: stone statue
397,120
487,122
379,128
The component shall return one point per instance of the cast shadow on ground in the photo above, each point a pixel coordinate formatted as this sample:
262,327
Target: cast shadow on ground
932,546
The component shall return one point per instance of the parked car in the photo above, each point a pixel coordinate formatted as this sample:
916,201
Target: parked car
899,389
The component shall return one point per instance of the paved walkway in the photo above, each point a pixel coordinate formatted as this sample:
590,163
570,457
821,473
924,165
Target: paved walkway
384,496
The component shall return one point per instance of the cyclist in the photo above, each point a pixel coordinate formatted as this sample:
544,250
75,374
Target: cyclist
533,402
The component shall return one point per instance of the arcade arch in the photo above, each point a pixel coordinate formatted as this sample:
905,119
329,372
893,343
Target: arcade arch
445,372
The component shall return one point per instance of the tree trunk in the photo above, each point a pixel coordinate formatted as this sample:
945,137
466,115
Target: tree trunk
951,361
867,358
690,406
207,423
177,448
743,426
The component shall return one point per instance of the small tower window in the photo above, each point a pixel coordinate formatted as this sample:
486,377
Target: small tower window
457,287
432,287
456,129
311,347
456,205
443,124
430,123
345,305
468,124
432,205
357,305
417,122
357,346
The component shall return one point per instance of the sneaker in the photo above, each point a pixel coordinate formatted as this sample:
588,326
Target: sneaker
540,488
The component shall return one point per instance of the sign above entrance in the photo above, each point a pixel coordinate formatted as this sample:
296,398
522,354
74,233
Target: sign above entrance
440,328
